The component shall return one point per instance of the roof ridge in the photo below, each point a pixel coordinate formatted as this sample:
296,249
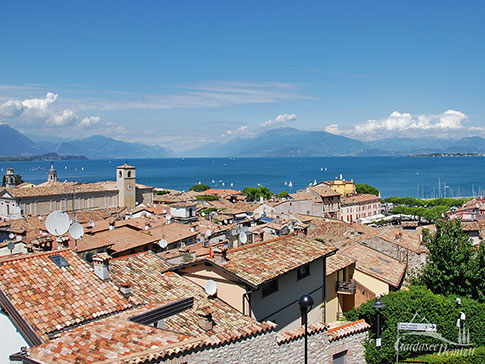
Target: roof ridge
345,325
260,243
16,257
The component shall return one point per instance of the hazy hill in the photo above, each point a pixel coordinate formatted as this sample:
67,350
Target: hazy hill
14,143
468,145
283,142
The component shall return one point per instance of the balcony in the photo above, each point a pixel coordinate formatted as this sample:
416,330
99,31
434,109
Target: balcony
346,287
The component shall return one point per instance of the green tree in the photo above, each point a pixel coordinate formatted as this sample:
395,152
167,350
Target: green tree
454,265
282,194
18,180
363,188
199,187
254,193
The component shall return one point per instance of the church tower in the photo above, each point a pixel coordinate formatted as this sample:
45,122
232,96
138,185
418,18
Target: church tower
9,178
52,175
125,181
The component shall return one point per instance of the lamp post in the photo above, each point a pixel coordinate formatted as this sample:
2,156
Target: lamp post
378,305
305,302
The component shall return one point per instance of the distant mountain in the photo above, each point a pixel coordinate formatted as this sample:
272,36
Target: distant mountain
468,145
100,147
404,146
283,142
14,143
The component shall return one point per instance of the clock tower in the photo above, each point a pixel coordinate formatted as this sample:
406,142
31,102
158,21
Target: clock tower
125,181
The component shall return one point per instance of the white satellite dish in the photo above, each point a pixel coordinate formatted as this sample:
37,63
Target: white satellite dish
210,287
243,238
11,235
203,214
168,216
76,231
57,223
208,233
225,221
91,224
164,211
163,243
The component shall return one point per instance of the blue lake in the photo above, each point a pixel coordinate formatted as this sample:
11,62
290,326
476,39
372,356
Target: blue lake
393,176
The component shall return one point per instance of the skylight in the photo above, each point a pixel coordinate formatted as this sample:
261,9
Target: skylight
60,261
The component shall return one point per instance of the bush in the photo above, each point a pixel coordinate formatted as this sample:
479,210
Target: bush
255,193
199,187
163,192
363,188
207,198
477,357
401,306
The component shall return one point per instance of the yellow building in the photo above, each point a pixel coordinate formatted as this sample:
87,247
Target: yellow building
342,186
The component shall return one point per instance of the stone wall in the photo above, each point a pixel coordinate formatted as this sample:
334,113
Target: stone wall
264,348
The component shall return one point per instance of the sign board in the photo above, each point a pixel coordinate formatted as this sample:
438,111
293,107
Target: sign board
411,326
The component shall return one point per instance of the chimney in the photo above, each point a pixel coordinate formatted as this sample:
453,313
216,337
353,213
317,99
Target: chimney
205,318
112,225
148,226
220,255
101,265
125,289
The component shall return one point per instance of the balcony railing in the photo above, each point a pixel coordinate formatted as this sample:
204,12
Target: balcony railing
346,287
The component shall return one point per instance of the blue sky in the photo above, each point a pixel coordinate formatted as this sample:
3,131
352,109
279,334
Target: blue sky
183,73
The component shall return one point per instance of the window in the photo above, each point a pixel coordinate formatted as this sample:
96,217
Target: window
129,174
119,174
302,272
339,358
269,287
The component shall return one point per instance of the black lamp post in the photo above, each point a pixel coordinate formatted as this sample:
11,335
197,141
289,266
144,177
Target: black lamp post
378,305
305,302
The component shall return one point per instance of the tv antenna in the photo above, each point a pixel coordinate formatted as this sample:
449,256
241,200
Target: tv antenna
210,287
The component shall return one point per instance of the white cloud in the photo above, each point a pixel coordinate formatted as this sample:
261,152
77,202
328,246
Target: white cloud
91,120
35,112
67,117
241,130
280,120
405,124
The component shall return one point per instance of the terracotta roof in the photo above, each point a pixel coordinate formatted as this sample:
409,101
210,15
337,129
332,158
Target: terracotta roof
173,232
291,335
301,196
359,199
343,329
470,226
324,191
376,264
221,192
51,298
64,188
125,166
261,262
124,238
337,262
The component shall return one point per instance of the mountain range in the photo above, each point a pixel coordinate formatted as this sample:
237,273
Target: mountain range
14,143
282,142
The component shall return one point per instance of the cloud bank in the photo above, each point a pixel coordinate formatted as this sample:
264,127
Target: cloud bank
406,124
279,121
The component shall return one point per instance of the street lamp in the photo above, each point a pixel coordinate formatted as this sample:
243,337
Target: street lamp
378,305
305,302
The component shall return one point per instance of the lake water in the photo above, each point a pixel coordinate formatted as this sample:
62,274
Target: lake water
393,176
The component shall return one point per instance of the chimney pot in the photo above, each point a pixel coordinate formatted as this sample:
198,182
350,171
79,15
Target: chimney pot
205,318
101,265
125,289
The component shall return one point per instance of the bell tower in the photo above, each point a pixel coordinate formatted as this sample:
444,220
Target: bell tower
52,175
9,178
125,181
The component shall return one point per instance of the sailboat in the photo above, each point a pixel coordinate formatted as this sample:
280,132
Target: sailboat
290,184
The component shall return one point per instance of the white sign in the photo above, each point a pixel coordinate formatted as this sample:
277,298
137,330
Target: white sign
378,342
416,326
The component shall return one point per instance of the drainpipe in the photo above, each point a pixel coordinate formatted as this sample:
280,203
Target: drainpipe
324,289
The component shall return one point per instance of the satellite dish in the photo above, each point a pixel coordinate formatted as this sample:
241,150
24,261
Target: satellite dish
57,223
40,217
225,221
168,216
164,211
210,287
192,229
243,238
203,213
11,247
208,233
91,224
76,231
11,235
163,243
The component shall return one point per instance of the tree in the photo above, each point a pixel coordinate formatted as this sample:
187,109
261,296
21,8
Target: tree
199,187
255,193
454,265
282,194
18,180
363,188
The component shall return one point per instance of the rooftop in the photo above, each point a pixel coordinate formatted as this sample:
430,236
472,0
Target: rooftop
50,297
261,262
376,264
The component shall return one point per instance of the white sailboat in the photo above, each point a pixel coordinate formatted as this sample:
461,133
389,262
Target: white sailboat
290,184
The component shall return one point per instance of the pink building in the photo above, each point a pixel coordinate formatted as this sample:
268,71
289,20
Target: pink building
355,207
